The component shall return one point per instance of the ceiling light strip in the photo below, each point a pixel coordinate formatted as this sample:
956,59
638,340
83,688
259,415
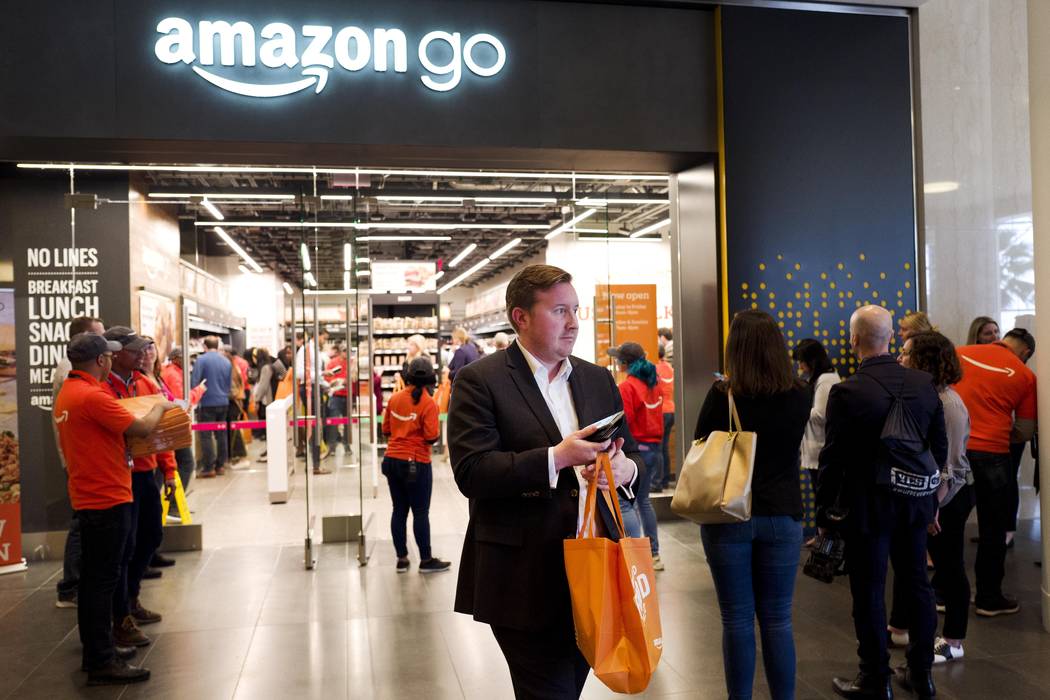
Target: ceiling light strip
651,227
238,249
459,278
380,239
304,253
256,169
380,225
310,279
216,196
505,249
570,223
287,288
348,256
462,254
212,209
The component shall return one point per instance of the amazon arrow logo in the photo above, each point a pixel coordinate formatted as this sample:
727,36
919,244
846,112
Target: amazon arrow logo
1008,371
315,50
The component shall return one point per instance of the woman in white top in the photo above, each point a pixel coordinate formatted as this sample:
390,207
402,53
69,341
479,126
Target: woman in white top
817,370
932,352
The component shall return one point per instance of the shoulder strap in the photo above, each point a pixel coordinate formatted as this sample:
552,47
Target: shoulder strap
734,417
897,396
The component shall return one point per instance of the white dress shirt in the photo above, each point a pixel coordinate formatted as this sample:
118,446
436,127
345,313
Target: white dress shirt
558,397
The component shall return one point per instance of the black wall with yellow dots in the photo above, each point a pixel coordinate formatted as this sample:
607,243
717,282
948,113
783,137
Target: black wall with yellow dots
819,193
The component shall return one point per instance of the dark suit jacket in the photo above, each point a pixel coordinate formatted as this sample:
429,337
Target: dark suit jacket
512,570
857,410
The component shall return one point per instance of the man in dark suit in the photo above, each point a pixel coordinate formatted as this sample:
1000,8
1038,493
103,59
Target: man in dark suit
519,454
881,523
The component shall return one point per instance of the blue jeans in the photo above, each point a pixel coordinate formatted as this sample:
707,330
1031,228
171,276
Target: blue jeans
632,525
409,496
336,409
213,441
754,565
653,458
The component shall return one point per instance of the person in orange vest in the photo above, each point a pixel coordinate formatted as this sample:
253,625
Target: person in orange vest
126,381
665,380
410,423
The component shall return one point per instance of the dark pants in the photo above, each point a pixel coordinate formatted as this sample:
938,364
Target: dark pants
1016,454
992,488
147,526
866,558
304,434
665,476
233,435
67,587
949,580
213,439
754,565
336,409
103,579
184,462
544,665
414,497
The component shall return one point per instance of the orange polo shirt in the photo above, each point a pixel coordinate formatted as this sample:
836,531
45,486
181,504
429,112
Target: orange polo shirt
411,427
996,387
665,380
91,427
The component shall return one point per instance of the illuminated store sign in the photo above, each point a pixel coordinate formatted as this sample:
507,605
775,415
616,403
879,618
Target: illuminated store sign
442,55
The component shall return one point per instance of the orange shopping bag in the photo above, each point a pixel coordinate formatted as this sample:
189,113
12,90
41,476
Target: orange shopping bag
614,603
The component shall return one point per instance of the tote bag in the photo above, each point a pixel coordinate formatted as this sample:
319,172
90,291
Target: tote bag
614,603
714,484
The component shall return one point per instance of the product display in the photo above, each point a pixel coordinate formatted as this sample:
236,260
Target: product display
172,433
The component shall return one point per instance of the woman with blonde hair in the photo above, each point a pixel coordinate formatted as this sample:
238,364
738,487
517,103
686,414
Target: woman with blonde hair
415,346
915,322
466,351
983,330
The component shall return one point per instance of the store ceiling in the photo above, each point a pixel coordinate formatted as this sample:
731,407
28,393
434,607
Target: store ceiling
280,211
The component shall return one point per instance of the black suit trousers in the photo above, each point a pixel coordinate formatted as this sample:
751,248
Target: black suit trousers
545,664
867,557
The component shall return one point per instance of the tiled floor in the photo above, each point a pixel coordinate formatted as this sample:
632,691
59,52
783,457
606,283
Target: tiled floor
244,619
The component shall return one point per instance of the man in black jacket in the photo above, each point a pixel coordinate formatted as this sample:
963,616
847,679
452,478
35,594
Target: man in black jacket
881,523
519,454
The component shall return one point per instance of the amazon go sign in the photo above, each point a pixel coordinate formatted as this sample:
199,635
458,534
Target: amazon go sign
310,53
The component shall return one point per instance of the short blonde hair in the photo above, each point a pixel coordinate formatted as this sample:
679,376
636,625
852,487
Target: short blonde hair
918,322
419,341
460,333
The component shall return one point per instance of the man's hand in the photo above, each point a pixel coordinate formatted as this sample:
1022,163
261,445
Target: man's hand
575,449
623,467
934,528
169,490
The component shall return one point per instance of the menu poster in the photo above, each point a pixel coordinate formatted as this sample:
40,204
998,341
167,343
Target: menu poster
10,471
157,320
404,276
625,313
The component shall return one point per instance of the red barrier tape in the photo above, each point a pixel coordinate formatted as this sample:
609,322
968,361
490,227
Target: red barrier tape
261,425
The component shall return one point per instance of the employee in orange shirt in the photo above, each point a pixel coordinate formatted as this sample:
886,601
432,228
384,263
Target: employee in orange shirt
999,393
125,381
643,410
665,380
410,423
91,429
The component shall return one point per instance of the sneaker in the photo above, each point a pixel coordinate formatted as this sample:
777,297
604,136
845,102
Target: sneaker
143,616
897,640
117,672
943,652
220,471
127,634
433,565
658,564
123,654
402,565
159,561
1004,606
67,601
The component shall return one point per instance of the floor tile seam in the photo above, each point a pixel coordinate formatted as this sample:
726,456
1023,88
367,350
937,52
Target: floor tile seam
452,663
255,626
42,662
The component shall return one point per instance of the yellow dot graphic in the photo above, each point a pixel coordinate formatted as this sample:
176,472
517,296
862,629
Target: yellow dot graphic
789,304
762,285
805,285
808,304
798,266
772,305
772,295
754,305
754,295
744,285
882,275
823,275
849,275
761,266
862,256
780,314
907,266
875,295
841,266
832,285
788,275
907,285
866,285
823,304
780,257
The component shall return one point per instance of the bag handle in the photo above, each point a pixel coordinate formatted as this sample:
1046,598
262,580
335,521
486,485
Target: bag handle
734,417
587,527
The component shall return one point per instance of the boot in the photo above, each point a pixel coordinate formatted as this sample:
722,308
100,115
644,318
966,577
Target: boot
142,615
127,634
915,681
864,686
117,672
123,654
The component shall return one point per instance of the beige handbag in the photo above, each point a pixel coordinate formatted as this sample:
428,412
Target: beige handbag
714,484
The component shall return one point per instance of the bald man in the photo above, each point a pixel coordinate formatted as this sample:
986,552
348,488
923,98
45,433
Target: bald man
888,504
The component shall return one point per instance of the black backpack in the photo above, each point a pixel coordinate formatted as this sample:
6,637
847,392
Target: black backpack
905,463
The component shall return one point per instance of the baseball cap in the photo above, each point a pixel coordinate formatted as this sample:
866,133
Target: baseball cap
421,371
129,340
87,346
175,352
627,353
